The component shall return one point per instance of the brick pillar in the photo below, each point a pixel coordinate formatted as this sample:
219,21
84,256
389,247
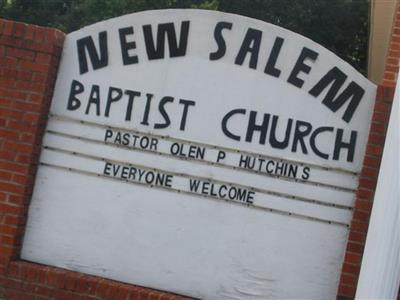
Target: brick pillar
365,194
29,57
369,174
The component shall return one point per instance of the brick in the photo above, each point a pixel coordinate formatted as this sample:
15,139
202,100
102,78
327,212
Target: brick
388,94
124,291
8,241
32,118
14,167
20,29
21,158
388,83
352,258
394,46
2,21
7,82
5,176
13,220
355,248
87,285
11,114
9,230
375,149
8,134
17,200
390,75
367,183
21,179
20,126
30,86
13,94
372,161
143,294
34,66
345,290
56,278
392,68
71,280
113,291
8,40
11,188
17,147
154,296
37,289
376,139
103,289
7,251
13,270
39,78
30,32
369,172
8,62
19,295
24,75
379,117
359,226
8,28
23,54
348,279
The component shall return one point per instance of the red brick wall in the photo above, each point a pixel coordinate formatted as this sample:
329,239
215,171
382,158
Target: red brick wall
29,57
369,173
393,55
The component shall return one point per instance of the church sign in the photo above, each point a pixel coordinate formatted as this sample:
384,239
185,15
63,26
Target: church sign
201,153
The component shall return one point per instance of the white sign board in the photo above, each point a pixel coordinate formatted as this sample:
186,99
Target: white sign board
202,153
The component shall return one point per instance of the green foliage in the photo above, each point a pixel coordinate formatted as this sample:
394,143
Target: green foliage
339,25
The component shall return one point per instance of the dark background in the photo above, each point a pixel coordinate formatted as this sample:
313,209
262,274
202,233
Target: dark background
342,26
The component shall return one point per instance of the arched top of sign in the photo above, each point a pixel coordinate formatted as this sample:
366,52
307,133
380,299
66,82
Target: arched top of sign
218,79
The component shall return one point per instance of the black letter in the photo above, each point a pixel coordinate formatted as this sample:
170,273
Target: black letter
168,29
111,98
300,134
161,108
186,104
276,49
272,137
145,120
94,98
76,88
300,66
220,40
253,127
339,144
225,120
251,44
306,173
98,61
221,155
312,141
126,46
132,95
353,92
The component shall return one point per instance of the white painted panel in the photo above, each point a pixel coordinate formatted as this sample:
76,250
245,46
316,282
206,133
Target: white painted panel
199,240
181,183
283,232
